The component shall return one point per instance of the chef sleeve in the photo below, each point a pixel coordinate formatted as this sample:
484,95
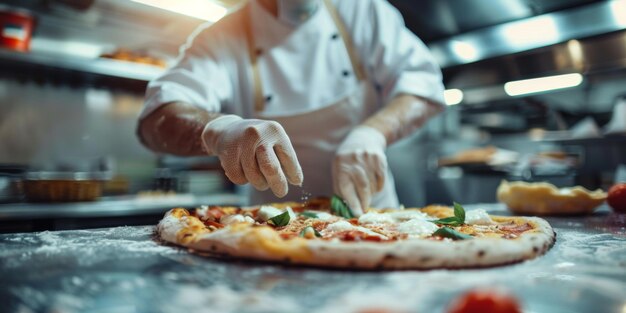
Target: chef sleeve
197,77
398,60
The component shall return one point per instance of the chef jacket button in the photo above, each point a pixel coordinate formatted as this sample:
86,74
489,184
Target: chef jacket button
335,36
345,73
258,51
268,98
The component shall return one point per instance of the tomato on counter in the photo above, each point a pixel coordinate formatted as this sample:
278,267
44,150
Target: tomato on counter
485,301
617,197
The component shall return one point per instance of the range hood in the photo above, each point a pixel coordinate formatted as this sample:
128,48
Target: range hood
531,33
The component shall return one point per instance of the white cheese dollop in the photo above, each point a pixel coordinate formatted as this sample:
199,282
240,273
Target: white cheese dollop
477,217
202,211
266,212
292,215
237,218
417,228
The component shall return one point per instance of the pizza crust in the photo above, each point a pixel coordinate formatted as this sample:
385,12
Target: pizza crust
264,243
547,199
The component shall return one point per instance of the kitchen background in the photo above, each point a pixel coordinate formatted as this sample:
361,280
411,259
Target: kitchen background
73,74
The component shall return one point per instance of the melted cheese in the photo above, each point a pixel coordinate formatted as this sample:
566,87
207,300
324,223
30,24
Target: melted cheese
417,228
237,218
402,215
324,216
375,218
342,225
477,217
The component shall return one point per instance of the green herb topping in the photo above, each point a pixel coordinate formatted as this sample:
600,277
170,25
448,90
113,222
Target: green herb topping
307,231
339,207
457,220
280,219
446,232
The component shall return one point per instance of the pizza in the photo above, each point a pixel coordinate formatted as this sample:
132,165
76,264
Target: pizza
546,199
323,232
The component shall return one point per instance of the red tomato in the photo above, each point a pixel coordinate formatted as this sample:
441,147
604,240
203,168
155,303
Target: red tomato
485,301
617,197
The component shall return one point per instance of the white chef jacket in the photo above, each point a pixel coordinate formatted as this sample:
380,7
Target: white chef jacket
302,68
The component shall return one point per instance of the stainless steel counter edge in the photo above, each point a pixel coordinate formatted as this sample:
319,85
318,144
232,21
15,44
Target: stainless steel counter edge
119,206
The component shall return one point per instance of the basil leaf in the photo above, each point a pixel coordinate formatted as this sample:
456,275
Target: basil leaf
308,214
339,207
452,220
280,219
308,229
446,232
457,220
459,212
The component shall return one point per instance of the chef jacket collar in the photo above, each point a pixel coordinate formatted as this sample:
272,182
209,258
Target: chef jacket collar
269,31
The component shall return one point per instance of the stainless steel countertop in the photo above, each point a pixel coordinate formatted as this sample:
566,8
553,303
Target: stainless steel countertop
125,269
113,206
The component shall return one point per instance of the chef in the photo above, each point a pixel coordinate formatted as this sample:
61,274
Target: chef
307,93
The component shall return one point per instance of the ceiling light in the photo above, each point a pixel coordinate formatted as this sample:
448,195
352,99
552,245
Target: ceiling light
618,8
465,51
201,9
539,30
453,96
576,53
541,84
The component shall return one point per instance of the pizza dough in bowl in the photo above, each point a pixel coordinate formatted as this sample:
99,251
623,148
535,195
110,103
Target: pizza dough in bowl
547,199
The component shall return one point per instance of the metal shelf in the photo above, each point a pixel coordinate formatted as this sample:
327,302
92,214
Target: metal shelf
113,206
106,67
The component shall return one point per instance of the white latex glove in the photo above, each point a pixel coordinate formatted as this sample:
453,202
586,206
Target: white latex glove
359,167
254,151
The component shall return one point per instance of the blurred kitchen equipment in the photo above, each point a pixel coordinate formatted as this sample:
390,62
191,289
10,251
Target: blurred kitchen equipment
202,182
68,180
586,128
64,186
142,57
16,28
165,179
11,182
617,125
620,174
485,159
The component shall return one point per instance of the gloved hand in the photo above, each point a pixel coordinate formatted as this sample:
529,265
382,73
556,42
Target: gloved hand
359,167
254,151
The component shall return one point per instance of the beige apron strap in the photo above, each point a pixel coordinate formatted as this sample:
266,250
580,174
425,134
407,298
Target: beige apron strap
347,41
259,102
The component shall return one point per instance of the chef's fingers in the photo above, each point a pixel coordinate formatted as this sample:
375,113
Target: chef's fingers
252,171
289,162
362,187
381,172
371,169
349,194
270,167
232,169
